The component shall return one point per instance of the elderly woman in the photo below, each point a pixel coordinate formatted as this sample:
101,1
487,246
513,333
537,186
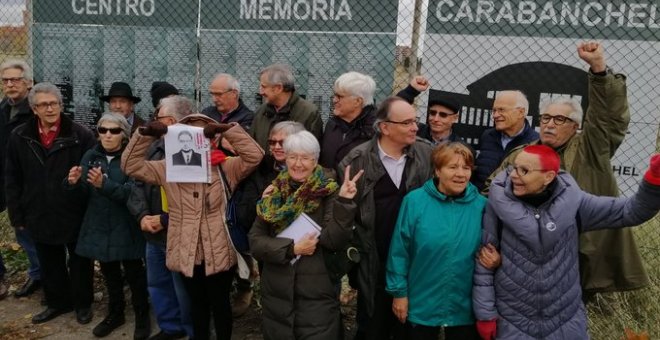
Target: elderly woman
534,214
431,257
353,117
198,242
109,233
299,299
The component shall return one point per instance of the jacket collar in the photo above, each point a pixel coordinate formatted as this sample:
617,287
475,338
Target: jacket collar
286,109
31,128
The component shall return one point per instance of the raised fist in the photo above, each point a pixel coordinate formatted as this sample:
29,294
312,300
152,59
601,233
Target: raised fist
592,53
212,129
154,129
419,83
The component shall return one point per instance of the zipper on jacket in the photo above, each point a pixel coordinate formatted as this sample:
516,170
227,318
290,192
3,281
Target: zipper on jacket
537,216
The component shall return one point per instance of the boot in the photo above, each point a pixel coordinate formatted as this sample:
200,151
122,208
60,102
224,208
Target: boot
241,303
109,324
142,325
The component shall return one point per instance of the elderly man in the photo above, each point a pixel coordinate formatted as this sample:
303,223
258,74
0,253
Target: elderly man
14,111
169,299
121,100
39,155
281,102
353,118
511,130
225,91
395,162
609,260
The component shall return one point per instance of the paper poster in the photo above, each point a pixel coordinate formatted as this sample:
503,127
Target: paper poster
187,154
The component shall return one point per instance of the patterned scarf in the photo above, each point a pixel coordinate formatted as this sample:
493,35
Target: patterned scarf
287,202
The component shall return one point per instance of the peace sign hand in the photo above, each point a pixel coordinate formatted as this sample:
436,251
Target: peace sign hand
349,188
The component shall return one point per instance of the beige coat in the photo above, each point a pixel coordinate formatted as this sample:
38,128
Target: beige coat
196,210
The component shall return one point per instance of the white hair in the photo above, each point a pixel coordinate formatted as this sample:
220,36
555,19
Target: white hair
17,64
178,105
303,142
44,88
576,108
232,82
521,98
288,127
357,84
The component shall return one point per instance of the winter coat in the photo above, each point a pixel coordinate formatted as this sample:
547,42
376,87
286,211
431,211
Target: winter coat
340,137
36,196
431,259
242,115
108,232
300,300
297,109
7,125
535,293
252,188
196,210
609,260
365,156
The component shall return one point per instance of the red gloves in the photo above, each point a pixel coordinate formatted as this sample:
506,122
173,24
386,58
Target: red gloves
217,157
487,329
652,175
211,129
154,129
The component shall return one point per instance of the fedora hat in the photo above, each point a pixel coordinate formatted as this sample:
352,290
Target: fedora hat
120,89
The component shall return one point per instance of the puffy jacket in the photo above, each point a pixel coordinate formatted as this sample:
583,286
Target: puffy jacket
535,293
340,137
431,257
196,210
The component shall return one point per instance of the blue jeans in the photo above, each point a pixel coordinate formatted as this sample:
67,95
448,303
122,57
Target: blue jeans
169,299
25,241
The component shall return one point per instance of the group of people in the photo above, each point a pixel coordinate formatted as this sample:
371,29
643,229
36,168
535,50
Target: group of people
433,236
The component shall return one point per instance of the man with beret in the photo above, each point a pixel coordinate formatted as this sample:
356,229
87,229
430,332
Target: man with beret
121,100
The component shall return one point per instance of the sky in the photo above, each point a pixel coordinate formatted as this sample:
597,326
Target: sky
11,12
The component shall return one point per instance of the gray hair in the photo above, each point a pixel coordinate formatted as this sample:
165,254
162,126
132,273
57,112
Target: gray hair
288,127
44,88
521,98
302,141
119,119
357,84
178,106
383,112
18,64
232,83
280,74
575,106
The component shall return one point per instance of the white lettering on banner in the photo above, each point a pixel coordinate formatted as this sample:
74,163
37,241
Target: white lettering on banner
144,8
526,12
325,10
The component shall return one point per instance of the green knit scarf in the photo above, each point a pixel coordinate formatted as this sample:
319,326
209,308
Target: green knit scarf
287,202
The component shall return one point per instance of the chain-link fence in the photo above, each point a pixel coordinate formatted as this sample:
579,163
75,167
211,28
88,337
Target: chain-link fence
469,49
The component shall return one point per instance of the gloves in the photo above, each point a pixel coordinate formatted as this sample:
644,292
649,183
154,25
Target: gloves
652,175
487,329
217,157
211,129
154,129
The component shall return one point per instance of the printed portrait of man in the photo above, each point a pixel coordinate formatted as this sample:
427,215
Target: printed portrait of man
186,156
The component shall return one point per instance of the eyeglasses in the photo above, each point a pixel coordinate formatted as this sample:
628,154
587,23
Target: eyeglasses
273,142
219,94
407,122
442,114
521,170
302,159
103,130
12,80
558,119
42,106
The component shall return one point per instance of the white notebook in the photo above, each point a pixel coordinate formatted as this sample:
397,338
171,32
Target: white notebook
298,228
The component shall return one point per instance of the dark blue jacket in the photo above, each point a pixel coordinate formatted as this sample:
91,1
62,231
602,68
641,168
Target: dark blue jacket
491,152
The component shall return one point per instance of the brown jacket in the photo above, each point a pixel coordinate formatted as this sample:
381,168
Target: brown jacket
196,210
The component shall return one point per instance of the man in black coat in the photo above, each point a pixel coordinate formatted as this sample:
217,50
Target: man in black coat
40,154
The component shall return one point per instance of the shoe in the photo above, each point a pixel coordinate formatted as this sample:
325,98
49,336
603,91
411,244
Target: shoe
30,286
4,291
50,314
168,336
109,324
241,303
142,325
84,315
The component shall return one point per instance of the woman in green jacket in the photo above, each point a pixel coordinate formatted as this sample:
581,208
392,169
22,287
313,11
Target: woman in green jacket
431,257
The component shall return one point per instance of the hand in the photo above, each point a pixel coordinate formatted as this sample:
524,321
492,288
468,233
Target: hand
154,129
151,224
349,188
95,177
487,329
269,190
211,129
74,175
592,53
400,308
420,83
306,246
489,257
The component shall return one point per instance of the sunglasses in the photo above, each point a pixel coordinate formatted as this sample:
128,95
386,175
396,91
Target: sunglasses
273,142
439,113
103,130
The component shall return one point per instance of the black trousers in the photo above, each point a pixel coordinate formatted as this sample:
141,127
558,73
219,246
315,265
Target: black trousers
210,294
67,277
420,332
383,324
135,275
